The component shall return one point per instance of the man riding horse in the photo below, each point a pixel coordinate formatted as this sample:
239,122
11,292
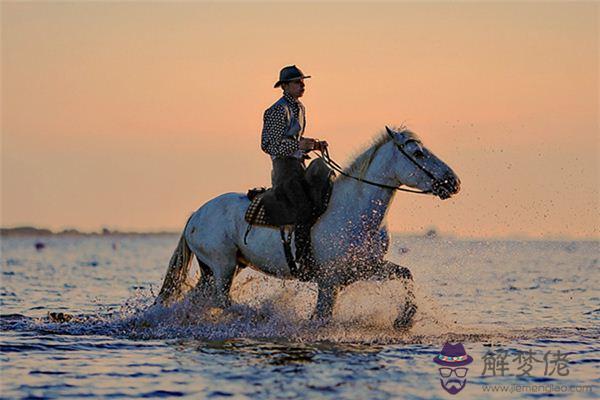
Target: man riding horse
282,138
350,236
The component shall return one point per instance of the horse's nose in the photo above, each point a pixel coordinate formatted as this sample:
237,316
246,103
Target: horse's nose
452,183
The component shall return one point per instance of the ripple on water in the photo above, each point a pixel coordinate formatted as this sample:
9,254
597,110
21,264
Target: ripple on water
266,346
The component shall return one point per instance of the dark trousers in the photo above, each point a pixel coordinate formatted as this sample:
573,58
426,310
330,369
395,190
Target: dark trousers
289,182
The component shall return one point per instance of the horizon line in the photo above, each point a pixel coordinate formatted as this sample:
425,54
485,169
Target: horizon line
431,232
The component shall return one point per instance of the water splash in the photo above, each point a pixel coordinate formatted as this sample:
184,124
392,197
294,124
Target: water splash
269,308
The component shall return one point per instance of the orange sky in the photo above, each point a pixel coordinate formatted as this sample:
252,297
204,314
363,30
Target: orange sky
132,115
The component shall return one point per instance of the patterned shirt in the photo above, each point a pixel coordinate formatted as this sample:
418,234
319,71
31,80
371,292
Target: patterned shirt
275,125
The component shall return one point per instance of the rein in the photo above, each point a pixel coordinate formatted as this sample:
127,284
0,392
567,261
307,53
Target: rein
336,167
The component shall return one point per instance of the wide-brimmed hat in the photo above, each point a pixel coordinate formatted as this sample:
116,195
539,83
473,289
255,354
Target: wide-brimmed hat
453,355
290,73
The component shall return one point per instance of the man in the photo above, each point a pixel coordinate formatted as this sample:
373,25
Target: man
282,138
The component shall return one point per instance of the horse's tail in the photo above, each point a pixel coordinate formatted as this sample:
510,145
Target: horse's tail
176,284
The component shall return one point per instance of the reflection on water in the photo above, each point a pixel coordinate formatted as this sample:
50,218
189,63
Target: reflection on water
489,295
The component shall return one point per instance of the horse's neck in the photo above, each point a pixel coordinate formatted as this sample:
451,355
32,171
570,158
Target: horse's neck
358,206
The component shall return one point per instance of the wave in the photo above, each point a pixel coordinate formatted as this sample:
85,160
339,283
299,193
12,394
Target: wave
268,308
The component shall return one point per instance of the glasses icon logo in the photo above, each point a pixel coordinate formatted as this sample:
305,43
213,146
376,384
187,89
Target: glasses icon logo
459,372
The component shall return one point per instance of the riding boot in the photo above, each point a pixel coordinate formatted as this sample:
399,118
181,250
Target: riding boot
304,256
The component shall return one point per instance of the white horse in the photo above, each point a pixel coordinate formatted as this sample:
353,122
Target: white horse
349,240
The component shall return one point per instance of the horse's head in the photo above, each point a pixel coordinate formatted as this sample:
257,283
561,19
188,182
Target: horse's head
419,168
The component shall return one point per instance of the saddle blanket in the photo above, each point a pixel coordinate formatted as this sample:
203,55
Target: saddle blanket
256,214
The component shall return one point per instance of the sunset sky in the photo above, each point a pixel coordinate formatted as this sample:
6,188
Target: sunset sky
132,115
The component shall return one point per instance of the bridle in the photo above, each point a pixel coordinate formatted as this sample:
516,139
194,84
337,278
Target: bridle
336,167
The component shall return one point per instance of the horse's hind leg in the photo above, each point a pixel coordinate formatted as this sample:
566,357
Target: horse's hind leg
223,281
215,281
205,288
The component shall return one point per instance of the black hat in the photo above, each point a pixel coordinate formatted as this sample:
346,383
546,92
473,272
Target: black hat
290,73
453,355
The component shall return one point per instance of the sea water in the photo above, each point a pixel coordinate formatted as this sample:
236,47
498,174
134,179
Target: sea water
498,298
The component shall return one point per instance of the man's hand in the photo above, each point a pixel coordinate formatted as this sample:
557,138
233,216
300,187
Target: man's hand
307,144
321,145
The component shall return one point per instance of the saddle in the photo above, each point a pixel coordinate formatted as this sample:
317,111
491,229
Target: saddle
269,208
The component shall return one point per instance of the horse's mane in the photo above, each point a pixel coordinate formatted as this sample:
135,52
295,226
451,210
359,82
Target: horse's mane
364,157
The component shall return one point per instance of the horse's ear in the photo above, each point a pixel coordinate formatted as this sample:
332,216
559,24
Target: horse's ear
390,132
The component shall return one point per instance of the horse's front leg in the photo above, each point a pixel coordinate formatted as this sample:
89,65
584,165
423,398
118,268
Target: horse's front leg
325,301
388,270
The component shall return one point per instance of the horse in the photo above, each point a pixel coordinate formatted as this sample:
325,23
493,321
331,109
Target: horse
350,239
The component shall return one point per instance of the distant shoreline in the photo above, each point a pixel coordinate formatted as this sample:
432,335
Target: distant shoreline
431,234
32,231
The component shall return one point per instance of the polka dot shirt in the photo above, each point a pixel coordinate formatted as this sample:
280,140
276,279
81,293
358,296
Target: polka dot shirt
275,124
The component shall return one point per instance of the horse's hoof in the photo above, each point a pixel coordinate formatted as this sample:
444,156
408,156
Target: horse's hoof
319,321
143,325
405,321
215,312
59,317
